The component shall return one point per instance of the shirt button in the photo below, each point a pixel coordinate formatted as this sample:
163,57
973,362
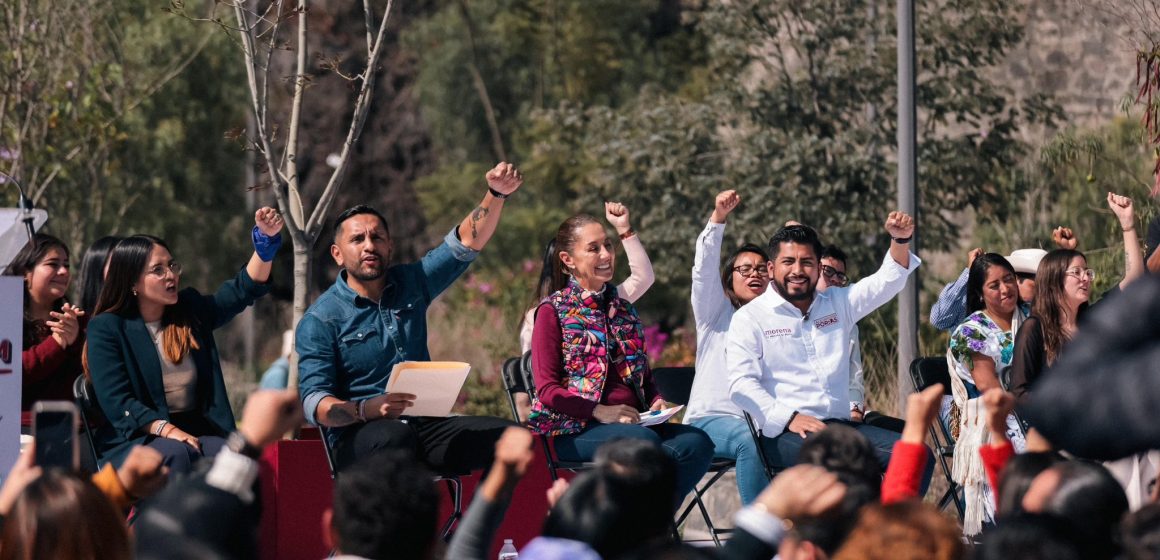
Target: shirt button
360,335
126,413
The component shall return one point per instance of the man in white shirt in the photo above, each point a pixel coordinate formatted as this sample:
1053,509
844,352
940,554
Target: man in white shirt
788,351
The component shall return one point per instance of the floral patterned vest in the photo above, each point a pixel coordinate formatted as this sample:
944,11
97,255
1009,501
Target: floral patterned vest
588,335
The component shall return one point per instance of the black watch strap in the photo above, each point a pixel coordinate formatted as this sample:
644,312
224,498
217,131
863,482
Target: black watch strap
238,444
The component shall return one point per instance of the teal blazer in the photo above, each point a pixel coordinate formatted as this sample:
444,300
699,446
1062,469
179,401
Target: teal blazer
126,370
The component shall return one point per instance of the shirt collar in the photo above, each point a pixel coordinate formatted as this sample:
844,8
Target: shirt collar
774,299
348,292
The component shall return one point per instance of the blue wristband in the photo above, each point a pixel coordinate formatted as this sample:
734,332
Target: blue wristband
266,246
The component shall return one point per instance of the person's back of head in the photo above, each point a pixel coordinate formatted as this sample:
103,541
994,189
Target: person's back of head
643,465
843,451
1016,477
385,506
1030,536
64,517
1090,498
910,530
1140,533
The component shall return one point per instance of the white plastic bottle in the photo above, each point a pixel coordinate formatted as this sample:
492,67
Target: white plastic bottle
508,552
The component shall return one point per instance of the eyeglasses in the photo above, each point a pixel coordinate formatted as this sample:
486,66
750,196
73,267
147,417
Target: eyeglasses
159,270
1081,273
749,270
834,277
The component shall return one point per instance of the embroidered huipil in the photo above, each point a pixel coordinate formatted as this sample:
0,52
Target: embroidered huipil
781,360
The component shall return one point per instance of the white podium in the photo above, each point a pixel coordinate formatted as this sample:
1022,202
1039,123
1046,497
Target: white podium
11,369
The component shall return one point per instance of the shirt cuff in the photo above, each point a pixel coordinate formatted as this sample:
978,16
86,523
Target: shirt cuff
234,473
461,252
761,524
310,405
776,421
889,262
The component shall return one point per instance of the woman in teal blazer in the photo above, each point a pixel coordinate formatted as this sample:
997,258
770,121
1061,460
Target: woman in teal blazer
151,354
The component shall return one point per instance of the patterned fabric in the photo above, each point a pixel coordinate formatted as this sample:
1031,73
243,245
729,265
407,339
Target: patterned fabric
979,334
590,336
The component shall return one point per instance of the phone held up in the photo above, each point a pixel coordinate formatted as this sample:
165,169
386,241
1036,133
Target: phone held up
54,431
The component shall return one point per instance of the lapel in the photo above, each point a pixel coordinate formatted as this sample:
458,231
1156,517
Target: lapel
145,356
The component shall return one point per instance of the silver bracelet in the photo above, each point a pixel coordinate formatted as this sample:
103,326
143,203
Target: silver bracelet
160,428
362,414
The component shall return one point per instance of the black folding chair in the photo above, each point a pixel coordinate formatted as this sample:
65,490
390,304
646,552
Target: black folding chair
519,380
925,372
755,433
454,488
90,412
675,384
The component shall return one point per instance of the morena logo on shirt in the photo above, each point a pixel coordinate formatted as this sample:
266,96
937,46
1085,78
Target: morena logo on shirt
831,319
774,333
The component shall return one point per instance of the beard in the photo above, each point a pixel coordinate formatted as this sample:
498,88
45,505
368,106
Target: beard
805,295
368,273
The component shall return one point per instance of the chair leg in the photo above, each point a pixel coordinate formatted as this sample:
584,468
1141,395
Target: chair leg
697,501
455,488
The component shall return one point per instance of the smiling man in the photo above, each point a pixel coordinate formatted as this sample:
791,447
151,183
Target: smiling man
375,316
788,351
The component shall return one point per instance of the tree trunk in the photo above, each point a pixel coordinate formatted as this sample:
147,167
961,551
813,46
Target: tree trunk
302,258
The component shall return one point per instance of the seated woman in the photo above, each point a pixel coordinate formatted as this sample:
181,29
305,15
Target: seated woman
53,328
979,349
151,352
717,293
591,371
94,265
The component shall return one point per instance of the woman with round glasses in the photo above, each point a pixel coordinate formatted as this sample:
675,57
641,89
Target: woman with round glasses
1063,285
717,292
151,353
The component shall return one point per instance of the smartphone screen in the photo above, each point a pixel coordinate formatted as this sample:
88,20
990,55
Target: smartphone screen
55,433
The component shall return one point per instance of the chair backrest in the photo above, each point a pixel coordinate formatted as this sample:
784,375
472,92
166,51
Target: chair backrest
526,373
674,383
925,372
91,415
513,383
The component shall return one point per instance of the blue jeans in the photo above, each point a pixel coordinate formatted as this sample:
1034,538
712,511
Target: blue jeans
732,440
688,446
782,451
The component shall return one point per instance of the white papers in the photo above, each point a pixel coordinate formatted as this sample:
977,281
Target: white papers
435,385
659,416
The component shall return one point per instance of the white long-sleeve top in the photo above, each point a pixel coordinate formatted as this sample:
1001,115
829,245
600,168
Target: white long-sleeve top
640,279
712,312
781,361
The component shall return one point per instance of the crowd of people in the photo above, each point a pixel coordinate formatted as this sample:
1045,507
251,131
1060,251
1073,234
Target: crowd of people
1043,385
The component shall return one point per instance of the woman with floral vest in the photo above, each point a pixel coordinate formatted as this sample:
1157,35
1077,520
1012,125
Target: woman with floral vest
588,358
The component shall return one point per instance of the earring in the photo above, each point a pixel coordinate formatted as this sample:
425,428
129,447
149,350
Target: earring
134,291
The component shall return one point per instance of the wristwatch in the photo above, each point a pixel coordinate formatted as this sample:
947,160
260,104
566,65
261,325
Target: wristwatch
238,444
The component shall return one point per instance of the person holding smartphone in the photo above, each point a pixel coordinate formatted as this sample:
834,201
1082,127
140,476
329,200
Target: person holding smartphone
151,353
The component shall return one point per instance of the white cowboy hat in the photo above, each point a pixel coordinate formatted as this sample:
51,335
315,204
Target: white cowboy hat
1026,261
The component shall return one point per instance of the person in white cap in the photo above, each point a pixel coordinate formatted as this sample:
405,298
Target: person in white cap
951,307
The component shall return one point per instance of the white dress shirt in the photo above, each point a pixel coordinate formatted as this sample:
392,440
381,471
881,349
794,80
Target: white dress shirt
781,361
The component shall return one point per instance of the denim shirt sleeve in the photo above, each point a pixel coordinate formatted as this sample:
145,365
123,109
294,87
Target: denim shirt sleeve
951,307
445,263
316,359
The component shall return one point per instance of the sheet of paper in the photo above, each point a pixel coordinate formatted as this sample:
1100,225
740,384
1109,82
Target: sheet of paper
436,385
659,416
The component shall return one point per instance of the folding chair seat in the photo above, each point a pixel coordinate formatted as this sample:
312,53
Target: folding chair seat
517,378
675,385
925,372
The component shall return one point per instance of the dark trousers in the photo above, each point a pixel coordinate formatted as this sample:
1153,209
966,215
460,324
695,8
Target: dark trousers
782,451
455,445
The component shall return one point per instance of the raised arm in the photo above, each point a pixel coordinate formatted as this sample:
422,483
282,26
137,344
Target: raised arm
708,296
876,290
477,228
641,276
267,238
1133,257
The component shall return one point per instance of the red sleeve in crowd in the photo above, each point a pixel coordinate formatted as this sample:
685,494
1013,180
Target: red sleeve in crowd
995,457
904,473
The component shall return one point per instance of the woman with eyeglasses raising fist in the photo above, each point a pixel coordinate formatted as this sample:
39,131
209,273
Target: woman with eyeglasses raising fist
151,354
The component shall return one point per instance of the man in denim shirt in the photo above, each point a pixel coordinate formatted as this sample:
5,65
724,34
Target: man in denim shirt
374,317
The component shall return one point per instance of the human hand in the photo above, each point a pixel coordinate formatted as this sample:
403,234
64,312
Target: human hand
268,414
513,454
388,405
504,178
22,474
1064,238
972,255
660,404
804,424
1122,207
269,221
615,414
175,433
998,404
856,415
899,225
617,215
556,491
921,408
725,202
143,472
64,324
802,491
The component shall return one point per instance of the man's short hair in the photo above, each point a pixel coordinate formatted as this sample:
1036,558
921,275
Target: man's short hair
386,506
843,451
833,252
802,235
354,211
